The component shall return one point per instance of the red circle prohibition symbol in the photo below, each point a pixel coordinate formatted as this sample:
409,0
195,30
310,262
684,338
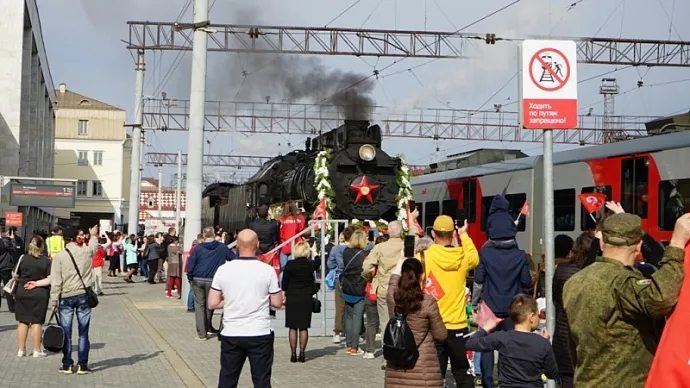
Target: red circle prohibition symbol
560,82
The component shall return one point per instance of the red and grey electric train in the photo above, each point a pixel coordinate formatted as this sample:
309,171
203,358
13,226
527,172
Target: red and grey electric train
648,176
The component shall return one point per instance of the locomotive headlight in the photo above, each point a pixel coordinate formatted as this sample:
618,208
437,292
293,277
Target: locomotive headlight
367,152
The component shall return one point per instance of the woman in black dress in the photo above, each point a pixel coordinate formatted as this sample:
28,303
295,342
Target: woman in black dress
298,288
33,293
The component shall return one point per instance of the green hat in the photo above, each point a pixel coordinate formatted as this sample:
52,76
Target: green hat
622,229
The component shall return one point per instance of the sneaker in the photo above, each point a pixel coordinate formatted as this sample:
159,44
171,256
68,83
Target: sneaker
83,370
201,338
378,336
336,338
369,356
66,369
356,352
212,331
21,353
39,354
190,310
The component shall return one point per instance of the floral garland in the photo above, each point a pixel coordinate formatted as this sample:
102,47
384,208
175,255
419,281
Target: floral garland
323,186
404,191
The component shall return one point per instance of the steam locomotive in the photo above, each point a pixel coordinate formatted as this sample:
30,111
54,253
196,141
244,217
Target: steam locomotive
362,176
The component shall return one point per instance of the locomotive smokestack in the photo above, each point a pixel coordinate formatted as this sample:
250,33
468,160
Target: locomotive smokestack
307,144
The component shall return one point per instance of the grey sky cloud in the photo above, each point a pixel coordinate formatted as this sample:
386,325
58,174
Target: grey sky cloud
83,43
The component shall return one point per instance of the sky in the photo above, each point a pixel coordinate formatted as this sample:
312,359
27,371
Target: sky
83,39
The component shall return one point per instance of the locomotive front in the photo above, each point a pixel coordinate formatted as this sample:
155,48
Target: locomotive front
362,175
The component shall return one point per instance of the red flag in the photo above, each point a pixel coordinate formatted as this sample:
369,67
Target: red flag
593,202
485,314
525,209
671,366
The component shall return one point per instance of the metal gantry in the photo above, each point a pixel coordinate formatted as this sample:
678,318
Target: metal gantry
236,161
432,123
146,35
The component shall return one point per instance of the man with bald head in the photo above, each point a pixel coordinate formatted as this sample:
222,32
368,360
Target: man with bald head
379,266
203,263
245,289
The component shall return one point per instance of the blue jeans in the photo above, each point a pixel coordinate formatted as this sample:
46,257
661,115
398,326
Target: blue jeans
477,364
283,262
68,306
487,359
143,268
190,298
353,323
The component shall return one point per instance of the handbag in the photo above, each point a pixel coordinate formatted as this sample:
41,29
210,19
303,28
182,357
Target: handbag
53,336
11,286
91,297
371,294
315,305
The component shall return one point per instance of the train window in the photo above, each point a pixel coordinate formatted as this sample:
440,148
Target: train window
674,201
586,221
516,201
564,210
469,199
431,211
635,184
420,217
515,204
449,208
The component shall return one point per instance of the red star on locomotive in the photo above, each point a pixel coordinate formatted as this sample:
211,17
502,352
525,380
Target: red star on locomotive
364,190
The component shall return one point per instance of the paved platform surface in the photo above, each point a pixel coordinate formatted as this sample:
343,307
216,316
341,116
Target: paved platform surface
139,338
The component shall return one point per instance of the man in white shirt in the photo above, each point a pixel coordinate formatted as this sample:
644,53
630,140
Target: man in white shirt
245,288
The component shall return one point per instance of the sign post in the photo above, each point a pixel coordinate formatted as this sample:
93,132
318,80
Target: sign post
548,93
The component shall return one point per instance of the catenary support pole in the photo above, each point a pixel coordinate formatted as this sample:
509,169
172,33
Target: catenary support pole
196,131
324,225
135,167
160,193
549,233
178,192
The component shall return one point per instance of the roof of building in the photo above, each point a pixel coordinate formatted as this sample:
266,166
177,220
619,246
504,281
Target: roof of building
70,100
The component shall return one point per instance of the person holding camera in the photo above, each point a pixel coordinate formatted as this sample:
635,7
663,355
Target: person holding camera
8,258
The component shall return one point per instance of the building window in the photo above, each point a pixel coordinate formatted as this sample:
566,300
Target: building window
97,187
83,127
674,201
83,158
82,187
564,210
97,158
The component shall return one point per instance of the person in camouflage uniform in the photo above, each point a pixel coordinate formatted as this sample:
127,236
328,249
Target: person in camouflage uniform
611,305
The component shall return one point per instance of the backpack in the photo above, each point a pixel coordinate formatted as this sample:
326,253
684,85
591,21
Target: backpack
399,346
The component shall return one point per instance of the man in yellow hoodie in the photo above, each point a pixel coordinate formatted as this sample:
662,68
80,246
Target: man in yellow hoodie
446,266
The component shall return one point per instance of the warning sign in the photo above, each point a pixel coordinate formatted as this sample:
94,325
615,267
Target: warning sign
549,84
13,219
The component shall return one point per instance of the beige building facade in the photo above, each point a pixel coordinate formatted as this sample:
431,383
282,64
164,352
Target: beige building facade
92,146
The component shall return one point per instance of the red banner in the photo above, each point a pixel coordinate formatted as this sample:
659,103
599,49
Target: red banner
671,366
593,202
525,209
13,219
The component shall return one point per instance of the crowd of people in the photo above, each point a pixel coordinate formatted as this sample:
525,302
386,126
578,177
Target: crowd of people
610,305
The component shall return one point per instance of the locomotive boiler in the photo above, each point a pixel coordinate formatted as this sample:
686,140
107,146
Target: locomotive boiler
362,176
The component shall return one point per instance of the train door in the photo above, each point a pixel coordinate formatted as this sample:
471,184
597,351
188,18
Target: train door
635,186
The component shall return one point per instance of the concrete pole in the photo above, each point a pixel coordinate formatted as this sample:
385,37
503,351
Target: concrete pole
549,233
135,167
196,131
178,193
160,192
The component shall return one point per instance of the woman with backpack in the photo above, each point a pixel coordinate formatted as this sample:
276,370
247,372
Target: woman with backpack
419,313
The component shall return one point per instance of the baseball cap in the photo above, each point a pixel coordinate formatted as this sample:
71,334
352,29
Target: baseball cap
622,229
444,224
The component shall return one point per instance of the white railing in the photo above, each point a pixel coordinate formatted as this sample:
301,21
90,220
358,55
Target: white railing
322,224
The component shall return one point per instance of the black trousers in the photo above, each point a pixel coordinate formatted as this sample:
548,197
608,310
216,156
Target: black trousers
234,351
153,269
5,278
454,348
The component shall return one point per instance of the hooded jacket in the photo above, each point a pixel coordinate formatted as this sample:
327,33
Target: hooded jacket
500,224
503,272
446,270
205,260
